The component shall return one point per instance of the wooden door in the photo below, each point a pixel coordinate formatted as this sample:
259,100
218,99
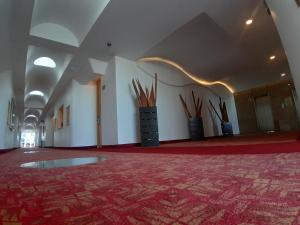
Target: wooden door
264,113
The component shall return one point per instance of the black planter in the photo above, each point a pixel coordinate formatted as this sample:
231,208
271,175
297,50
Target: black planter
149,126
196,129
227,129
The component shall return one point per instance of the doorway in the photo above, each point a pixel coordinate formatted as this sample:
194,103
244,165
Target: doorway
28,138
264,115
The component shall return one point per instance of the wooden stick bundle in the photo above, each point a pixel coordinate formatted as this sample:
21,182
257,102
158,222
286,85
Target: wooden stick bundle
145,98
223,109
185,107
197,105
215,111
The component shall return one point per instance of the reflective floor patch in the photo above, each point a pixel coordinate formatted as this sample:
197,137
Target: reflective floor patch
63,162
30,152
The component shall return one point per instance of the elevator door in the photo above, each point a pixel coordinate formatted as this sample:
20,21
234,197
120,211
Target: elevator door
264,116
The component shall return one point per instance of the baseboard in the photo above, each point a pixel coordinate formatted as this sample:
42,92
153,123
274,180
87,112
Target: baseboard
175,141
119,146
139,144
2,151
74,148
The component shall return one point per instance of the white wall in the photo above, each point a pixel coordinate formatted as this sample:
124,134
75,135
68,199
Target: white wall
232,113
172,119
119,115
49,130
82,129
286,15
83,115
109,119
8,138
63,136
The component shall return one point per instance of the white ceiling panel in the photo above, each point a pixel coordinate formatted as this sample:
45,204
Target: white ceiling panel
65,21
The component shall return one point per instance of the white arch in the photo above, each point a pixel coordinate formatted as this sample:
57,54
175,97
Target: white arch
31,96
55,32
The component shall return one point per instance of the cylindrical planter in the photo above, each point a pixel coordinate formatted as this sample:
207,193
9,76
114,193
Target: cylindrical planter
149,126
196,128
227,129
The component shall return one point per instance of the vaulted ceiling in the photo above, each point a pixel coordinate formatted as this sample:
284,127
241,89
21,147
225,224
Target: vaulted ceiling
207,37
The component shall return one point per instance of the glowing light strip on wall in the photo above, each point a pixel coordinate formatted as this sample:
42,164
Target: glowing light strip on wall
184,71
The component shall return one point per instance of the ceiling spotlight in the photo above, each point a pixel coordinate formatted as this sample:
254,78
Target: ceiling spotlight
45,62
272,57
31,116
249,22
283,75
37,93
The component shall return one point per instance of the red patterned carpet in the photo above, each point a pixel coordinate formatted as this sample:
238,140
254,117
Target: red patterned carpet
157,189
278,137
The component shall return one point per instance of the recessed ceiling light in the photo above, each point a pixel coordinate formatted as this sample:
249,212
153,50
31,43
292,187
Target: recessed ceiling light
283,75
31,116
38,93
272,57
45,61
249,22
29,125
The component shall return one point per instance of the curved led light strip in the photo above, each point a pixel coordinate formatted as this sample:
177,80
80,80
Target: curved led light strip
180,68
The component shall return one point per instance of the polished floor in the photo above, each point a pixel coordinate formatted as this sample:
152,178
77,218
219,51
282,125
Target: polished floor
153,188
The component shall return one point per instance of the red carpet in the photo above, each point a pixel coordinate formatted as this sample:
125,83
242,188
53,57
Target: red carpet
242,140
157,189
282,147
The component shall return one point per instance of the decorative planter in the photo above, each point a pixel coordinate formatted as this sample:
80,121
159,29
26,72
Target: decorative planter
196,128
227,129
149,126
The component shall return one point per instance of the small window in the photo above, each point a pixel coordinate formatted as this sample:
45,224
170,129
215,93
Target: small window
68,119
60,117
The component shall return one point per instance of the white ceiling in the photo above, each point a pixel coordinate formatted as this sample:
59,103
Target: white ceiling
223,48
208,37
66,21
5,31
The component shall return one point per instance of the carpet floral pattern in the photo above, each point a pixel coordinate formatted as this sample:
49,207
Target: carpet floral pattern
156,189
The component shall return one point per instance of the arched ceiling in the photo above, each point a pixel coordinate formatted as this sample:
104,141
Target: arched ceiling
31,111
30,120
40,78
28,126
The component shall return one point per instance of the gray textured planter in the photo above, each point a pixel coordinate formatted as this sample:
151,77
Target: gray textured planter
149,126
196,129
227,129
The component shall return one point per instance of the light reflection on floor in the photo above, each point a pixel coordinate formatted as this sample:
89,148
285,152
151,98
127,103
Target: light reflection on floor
63,162
31,152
